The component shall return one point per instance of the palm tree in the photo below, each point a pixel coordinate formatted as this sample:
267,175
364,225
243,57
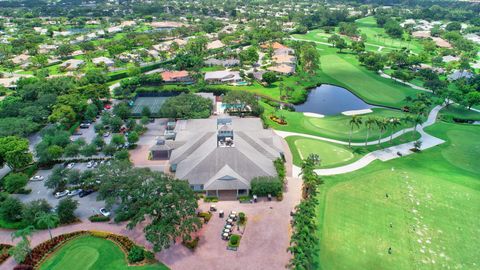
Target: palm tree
417,120
382,125
24,234
394,122
369,124
408,119
48,219
354,122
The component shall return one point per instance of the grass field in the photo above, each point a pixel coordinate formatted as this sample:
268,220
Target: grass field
455,111
92,253
377,36
424,207
335,127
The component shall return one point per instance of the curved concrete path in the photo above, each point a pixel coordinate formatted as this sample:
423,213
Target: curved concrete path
428,141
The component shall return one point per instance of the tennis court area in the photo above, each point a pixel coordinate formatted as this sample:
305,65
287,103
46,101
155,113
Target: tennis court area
154,103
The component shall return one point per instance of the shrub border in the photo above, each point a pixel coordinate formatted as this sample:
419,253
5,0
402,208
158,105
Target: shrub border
125,246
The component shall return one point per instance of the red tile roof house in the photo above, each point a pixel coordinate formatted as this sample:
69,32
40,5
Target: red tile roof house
176,76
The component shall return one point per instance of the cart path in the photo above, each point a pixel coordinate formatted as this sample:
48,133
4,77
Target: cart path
389,153
384,75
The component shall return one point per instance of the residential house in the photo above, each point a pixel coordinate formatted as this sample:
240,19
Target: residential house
460,74
176,76
72,64
223,76
283,69
221,62
215,45
103,60
20,59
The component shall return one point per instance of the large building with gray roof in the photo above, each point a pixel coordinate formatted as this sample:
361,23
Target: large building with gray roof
222,156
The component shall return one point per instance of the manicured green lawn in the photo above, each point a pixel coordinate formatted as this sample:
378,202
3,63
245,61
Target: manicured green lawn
336,155
377,36
344,70
455,111
331,155
424,207
92,253
334,127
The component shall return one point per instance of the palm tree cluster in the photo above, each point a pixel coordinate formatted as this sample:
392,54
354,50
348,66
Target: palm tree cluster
304,240
382,125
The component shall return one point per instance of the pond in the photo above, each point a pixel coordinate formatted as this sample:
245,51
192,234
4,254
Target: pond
331,100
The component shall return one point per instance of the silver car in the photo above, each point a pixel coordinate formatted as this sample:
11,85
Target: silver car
37,178
61,194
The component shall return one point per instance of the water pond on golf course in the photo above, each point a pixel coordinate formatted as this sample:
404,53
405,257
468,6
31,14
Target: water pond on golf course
331,100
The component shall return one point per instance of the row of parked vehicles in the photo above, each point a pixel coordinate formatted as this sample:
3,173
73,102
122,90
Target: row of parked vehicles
80,192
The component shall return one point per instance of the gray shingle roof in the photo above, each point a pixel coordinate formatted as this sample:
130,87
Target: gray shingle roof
200,161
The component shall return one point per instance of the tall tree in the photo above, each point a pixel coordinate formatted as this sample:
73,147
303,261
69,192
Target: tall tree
14,152
369,123
167,205
47,219
355,121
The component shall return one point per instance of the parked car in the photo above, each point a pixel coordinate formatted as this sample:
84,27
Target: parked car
90,164
106,134
74,192
61,194
37,178
104,212
84,193
70,165
84,125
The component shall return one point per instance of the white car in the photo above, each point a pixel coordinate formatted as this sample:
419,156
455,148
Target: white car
106,134
70,165
64,193
37,178
105,212
74,192
90,164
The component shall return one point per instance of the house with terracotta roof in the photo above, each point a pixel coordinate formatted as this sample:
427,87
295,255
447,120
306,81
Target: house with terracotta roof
181,76
215,45
275,45
284,59
283,69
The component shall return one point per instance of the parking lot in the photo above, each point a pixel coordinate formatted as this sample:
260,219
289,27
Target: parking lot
139,155
87,206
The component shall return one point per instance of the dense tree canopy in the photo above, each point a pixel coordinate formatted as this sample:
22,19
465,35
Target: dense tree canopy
187,106
168,205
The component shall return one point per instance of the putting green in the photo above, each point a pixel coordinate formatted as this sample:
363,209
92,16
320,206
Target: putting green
424,207
331,155
92,253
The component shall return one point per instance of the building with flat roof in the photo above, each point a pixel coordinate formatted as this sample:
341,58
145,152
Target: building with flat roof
221,156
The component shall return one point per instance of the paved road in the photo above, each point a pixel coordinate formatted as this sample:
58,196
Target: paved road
406,83
389,153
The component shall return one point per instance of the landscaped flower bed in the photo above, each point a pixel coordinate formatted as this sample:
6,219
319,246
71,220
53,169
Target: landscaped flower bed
40,251
4,252
278,120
